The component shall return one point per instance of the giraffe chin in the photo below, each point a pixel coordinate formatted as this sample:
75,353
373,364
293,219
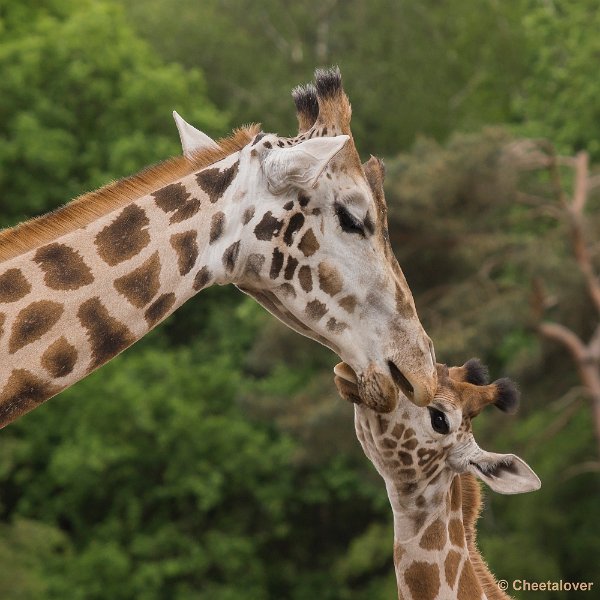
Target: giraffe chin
371,388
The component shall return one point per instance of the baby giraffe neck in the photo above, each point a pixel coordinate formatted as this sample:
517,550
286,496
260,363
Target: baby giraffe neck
431,553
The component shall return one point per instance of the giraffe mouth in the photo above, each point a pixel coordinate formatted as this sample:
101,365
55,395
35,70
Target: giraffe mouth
346,382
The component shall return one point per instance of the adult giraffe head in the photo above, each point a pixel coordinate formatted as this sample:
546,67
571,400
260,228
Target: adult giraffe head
314,247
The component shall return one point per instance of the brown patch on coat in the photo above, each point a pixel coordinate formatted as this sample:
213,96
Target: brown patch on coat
290,268
276,264
287,290
107,336
215,182
2,319
125,237
305,278
410,444
23,392
336,326
186,246
405,457
59,358
434,537
423,580
89,207
308,244
254,266
330,279
456,531
294,225
142,284
176,199
159,308
451,567
217,225
33,322
268,227
315,310
13,286
348,303
202,278
405,307
468,586
230,256
63,266
398,430
248,214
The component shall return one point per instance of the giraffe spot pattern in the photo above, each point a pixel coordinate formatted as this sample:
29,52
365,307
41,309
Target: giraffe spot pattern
33,322
330,280
13,286
288,205
203,276
248,214
142,284
64,268
348,303
254,266
174,198
405,457
290,268
303,199
159,308
410,444
455,495
434,537
308,244
23,392
294,225
268,227
186,247
125,237
230,256
398,430
287,290
451,567
457,533
468,586
107,336
336,326
276,264
423,580
217,226
305,278
2,319
315,310
59,358
215,182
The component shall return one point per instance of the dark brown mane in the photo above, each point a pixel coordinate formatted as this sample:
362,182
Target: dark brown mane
88,207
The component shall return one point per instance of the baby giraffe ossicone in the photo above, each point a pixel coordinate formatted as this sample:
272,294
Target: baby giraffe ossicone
430,463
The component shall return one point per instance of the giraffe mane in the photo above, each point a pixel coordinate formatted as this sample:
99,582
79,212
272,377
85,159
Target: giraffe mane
471,508
88,207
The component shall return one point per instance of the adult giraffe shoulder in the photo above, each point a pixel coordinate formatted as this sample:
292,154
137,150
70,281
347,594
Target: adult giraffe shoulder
291,221
429,461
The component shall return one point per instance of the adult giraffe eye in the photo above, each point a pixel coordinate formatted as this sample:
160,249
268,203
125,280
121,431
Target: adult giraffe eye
348,223
439,422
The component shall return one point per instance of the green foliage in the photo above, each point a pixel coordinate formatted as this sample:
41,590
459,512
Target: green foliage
83,100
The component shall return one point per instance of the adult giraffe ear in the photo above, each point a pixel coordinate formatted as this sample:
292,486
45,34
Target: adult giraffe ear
504,473
192,139
302,164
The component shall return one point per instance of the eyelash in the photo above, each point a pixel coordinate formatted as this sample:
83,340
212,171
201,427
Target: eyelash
348,223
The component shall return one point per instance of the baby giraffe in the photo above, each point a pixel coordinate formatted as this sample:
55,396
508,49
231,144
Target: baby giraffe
429,460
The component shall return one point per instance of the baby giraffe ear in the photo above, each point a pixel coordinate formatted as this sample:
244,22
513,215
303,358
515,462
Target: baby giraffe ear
504,473
191,138
302,164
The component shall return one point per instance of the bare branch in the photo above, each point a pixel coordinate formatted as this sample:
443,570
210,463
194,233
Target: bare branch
566,337
581,177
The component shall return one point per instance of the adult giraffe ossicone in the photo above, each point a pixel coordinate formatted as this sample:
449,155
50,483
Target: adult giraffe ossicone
293,222
429,461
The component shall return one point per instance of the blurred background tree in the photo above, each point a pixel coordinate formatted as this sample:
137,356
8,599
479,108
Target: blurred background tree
214,460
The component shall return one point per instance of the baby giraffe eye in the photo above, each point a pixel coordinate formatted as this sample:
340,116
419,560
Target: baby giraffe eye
348,222
439,422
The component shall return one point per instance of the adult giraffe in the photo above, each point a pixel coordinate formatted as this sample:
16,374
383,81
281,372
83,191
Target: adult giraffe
429,461
291,221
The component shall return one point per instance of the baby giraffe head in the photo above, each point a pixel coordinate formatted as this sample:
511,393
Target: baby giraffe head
419,450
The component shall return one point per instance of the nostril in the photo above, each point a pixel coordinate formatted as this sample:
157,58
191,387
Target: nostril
400,380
